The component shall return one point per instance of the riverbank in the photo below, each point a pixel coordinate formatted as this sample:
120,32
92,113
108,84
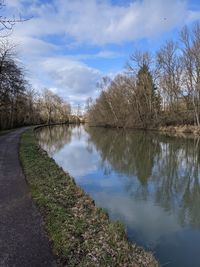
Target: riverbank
181,129
188,130
81,234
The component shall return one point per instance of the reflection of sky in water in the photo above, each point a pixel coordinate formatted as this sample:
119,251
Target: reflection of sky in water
151,220
75,158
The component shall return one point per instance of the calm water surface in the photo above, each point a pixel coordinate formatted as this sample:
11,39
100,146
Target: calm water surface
150,182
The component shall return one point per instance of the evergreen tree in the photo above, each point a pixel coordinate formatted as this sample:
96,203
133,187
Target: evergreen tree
147,100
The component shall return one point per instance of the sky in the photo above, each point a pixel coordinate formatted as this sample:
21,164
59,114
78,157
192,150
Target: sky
68,45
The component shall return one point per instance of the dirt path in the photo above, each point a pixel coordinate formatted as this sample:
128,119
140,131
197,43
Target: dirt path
23,241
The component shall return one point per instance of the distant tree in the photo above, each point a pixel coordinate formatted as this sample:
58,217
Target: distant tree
54,108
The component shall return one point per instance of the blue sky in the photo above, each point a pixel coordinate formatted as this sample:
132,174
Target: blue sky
68,45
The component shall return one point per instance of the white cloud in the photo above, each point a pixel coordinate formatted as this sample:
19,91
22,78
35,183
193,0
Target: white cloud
32,47
100,22
105,54
73,79
13,3
193,15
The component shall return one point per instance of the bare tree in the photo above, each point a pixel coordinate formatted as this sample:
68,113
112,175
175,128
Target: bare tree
53,108
7,23
170,75
190,41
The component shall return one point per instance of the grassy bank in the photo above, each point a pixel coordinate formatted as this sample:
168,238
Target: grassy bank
81,233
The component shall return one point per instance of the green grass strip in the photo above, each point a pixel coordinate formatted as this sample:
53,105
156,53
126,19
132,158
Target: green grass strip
81,234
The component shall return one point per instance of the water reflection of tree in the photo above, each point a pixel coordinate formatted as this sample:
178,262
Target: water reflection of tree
167,168
53,138
177,179
123,150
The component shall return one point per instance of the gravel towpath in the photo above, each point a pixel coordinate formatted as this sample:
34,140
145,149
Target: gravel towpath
23,241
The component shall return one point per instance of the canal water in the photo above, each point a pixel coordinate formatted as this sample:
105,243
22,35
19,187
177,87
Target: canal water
148,181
